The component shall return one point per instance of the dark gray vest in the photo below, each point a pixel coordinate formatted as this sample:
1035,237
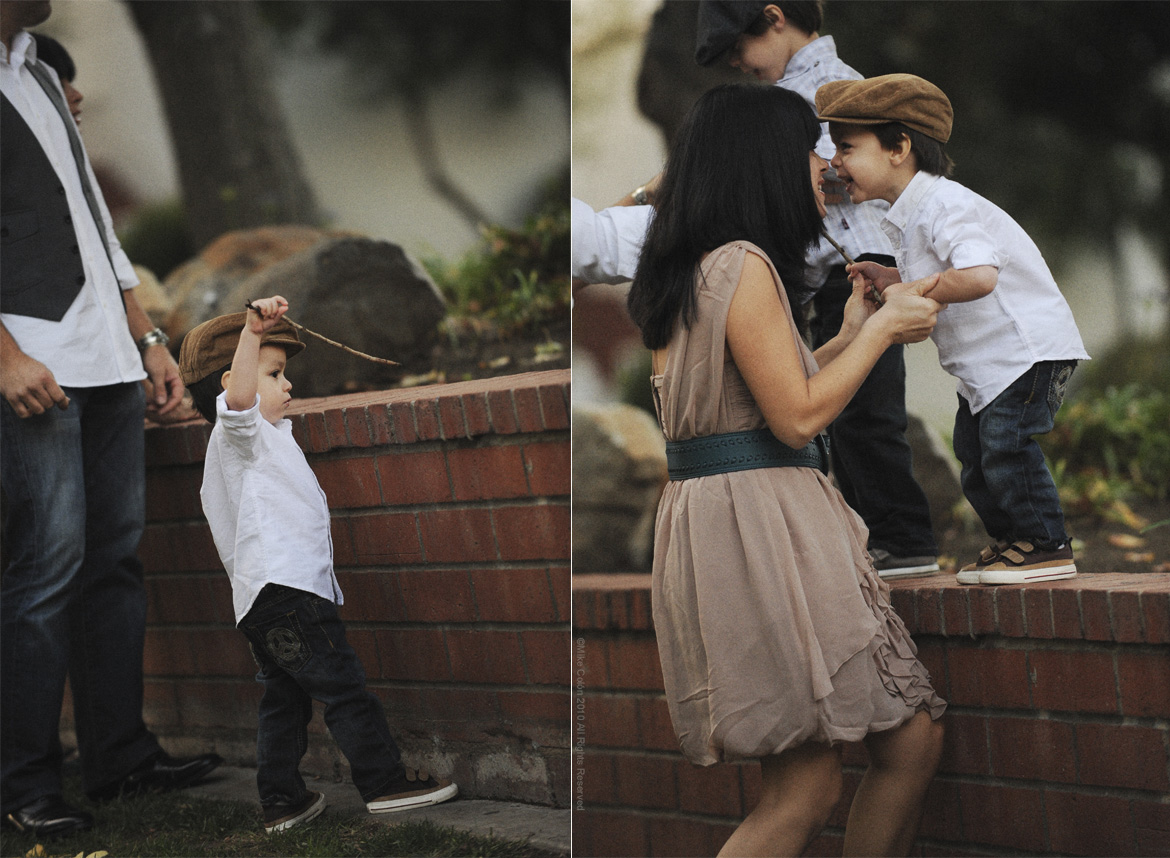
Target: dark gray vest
41,272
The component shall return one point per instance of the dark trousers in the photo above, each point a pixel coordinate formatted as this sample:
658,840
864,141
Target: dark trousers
72,598
870,453
1004,473
298,641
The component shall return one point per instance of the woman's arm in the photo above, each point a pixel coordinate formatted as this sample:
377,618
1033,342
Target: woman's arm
797,408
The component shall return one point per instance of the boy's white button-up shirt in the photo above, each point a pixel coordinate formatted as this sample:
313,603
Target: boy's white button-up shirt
268,515
986,344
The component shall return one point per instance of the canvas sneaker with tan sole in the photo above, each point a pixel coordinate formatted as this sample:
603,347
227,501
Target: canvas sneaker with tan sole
282,817
970,573
1023,563
414,789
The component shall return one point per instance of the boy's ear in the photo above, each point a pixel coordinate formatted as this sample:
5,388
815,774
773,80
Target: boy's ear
775,15
901,151
223,379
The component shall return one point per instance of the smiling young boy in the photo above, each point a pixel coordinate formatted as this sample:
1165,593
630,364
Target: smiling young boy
1008,336
270,522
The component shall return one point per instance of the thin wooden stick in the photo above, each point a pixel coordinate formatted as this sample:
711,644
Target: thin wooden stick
874,293
326,339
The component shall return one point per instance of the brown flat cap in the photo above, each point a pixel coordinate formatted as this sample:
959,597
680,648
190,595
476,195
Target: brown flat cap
905,98
211,346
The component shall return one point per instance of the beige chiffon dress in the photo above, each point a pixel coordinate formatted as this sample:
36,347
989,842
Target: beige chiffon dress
773,627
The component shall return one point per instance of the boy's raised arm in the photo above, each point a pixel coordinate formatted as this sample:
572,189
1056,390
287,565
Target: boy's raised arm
242,379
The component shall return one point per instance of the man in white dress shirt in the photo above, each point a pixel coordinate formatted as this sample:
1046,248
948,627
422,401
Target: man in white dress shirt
74,347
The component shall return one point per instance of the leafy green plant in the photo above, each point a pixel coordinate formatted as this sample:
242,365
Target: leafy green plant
518,279
1111,448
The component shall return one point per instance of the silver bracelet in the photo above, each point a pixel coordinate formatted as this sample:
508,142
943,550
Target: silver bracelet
153,338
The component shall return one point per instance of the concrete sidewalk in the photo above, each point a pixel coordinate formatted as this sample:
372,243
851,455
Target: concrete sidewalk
546,828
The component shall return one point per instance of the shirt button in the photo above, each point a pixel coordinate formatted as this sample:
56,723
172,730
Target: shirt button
76,250
68,218
61,190
80,279
3,232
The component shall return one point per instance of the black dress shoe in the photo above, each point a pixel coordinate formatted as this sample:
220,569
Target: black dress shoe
160,773
50,816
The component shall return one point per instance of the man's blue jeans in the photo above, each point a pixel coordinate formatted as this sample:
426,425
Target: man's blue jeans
1004,475
72,600
872,460
298,641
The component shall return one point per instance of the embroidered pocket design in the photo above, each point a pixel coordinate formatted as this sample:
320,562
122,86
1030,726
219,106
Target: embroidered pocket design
1058,387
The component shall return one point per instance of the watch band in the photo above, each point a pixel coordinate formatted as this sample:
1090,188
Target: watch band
153,338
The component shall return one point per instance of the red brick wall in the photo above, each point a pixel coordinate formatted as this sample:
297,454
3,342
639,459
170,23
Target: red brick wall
450,512
1058,730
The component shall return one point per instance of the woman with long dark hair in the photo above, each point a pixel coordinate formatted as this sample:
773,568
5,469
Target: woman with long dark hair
776,635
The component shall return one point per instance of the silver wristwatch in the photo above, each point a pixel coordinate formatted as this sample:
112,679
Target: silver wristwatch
153,338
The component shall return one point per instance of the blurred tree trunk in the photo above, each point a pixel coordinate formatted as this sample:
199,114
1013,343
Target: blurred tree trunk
237,164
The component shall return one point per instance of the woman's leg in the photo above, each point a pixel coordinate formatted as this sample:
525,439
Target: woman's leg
801,787
887,808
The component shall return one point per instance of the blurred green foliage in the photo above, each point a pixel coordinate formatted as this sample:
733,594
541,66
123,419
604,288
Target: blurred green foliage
159,238
516,279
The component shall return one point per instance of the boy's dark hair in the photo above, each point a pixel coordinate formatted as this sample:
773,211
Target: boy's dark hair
738,170
929,155
806,15
205,391
53,54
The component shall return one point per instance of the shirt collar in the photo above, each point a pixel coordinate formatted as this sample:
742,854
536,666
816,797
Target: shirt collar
24,49
809,57
908,201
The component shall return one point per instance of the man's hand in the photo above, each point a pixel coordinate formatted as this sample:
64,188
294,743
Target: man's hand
166,385
28,385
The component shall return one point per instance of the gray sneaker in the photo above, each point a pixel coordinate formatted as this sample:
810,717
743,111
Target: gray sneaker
890,568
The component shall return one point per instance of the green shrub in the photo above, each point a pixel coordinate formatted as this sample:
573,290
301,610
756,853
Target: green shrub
1109,449
518,279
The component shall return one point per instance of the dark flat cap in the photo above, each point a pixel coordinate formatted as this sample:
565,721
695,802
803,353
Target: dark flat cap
905,98
211,346
721,23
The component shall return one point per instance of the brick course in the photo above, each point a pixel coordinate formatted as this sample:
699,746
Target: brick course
1058,730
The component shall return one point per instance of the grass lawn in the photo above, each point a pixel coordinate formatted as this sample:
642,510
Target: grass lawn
176,824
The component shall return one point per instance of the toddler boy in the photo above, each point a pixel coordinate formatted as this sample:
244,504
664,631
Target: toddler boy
270,522
1007,336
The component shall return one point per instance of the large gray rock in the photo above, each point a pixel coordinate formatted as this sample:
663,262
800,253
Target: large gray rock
619,469
368,294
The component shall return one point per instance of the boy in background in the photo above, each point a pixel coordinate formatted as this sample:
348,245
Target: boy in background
270,522
1008,336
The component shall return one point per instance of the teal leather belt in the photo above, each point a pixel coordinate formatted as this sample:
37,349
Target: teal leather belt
742,451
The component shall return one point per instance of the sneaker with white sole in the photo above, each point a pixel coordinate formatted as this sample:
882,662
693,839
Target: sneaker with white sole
970,573
281,817
414,789
891,567
1023,563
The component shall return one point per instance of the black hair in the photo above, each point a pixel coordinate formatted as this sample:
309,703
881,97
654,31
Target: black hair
738,170
205,391
53,54
806,15
929,155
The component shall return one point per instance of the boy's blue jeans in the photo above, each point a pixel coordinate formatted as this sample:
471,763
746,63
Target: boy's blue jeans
1004,475
72,600
298,641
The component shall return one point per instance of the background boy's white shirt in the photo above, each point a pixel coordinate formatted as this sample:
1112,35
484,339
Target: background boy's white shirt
986,344
91,346
268,515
